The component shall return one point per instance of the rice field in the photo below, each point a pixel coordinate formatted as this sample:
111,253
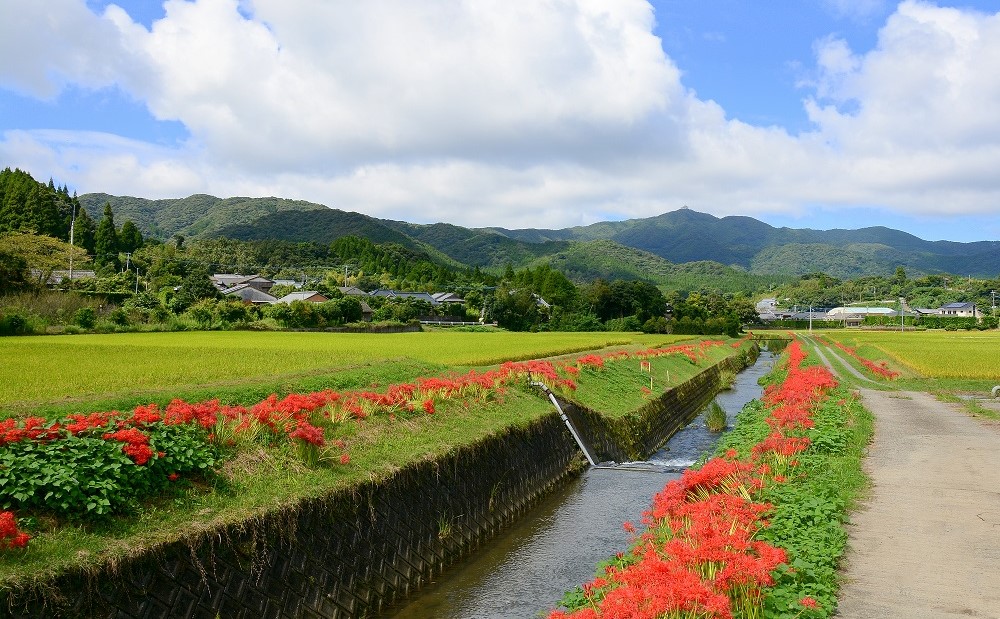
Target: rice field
50,368
973,355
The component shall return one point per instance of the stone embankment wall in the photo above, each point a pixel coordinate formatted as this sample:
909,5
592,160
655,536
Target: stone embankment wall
639,434
356,552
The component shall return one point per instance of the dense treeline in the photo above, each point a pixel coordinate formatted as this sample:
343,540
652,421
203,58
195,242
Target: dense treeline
927,291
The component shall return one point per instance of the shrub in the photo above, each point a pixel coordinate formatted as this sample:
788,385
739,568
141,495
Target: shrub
118,316
15,323
85,317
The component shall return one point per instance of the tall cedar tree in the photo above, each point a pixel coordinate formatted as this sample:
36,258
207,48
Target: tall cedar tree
84,230
106,241
129,237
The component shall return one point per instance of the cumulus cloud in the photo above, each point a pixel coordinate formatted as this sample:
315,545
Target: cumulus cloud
542,113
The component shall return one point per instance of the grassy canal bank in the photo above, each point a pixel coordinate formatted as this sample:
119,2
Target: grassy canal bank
232,453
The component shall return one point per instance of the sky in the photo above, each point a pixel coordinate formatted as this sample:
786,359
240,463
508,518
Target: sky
520,113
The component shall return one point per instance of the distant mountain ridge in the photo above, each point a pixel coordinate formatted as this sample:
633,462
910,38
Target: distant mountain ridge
740,245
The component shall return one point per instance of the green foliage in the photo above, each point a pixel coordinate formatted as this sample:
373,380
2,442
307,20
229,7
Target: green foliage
32,207
85,317
106,245
129,237
86,476
14,323
20,253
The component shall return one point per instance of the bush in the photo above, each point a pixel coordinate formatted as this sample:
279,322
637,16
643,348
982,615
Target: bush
14,323
85,317
118,317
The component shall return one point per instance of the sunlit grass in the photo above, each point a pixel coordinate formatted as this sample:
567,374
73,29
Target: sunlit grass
38,370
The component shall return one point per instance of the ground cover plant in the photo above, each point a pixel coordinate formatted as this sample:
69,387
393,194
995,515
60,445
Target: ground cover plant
167,470
754,532
37,370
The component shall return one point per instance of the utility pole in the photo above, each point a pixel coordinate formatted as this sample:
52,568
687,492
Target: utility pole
72,227
810,318
993,293
128,255
901,323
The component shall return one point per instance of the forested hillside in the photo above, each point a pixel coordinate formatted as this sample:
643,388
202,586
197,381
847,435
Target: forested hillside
28,205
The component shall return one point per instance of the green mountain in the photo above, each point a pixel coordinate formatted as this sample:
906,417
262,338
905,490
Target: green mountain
194,216
728,251
685,235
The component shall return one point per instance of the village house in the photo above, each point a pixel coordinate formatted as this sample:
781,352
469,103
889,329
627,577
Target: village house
310,296
250,295
227,281
959,310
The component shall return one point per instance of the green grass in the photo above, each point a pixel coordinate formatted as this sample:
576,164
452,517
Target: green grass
41,371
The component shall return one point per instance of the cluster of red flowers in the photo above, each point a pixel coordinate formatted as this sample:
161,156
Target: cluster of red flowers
878,369
136,444
698,557
742,340
10,535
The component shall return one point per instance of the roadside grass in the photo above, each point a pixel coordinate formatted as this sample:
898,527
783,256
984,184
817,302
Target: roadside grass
840,362
37,371
811,510
256,480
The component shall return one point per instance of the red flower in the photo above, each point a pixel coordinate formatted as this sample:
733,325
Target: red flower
173,477
809,602
344,458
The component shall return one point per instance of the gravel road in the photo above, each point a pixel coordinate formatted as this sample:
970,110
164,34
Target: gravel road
926,544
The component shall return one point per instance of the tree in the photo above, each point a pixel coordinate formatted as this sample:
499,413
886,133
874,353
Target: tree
129,237
40,254
84,230
195,286
516,310
106,240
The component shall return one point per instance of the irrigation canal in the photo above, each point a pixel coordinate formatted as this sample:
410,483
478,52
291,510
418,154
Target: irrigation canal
525,571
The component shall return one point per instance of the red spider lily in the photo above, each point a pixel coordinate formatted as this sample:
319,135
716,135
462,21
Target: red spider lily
10,535
879,369
308,433
136,444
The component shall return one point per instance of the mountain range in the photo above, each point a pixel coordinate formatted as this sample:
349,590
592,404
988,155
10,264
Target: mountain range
666,249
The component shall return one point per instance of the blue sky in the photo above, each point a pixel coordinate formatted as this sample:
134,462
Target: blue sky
820,114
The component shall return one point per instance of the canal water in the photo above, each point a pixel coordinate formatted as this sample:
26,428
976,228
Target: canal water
525,571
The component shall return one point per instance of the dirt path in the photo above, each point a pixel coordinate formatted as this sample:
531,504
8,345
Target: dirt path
927,542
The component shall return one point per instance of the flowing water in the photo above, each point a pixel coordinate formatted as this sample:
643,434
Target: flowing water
525,571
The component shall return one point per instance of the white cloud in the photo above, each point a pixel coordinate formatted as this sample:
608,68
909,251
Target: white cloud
539,113
46,45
